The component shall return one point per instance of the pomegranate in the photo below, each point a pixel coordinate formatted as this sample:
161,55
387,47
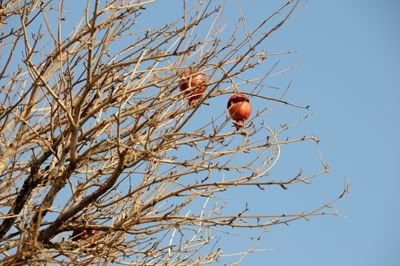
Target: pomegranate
79,234
82,234
193,86
239,108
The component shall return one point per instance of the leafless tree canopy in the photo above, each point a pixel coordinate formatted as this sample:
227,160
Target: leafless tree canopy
102,159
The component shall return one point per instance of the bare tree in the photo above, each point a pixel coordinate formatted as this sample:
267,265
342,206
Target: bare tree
109,152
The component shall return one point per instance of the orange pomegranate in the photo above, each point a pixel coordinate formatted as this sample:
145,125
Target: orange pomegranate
79,234
239,108
193,86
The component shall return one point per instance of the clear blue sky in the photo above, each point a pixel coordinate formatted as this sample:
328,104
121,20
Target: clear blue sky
350,75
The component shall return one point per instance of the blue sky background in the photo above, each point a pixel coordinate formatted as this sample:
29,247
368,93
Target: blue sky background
350,76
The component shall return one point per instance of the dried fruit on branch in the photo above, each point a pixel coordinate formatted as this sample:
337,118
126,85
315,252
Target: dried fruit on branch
82,233
239,108
193,85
